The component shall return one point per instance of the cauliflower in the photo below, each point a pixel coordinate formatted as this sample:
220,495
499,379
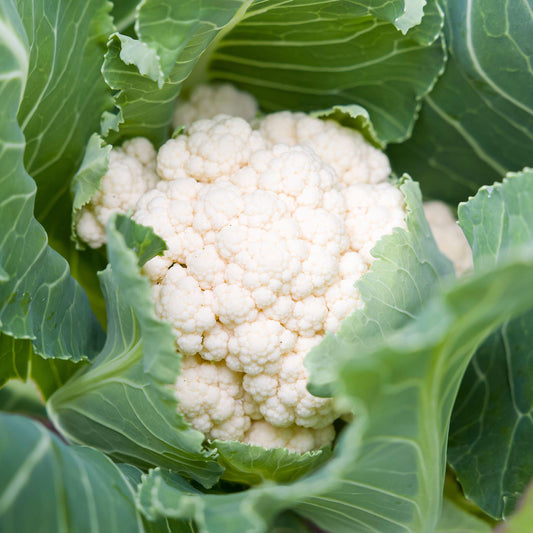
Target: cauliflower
207,101
448,235
268,226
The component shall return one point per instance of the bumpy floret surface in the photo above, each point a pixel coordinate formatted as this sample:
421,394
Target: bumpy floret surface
268,227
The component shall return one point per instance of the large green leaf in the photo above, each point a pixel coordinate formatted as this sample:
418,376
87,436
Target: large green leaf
406,388
123,403
306,56
64,98
50,487
478,122
39,300
278,50
492,429
62,105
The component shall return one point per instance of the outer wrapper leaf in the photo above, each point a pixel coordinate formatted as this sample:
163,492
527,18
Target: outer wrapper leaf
64,98
47,486
301,56
290,54
491,430
478,121
39,300
123,403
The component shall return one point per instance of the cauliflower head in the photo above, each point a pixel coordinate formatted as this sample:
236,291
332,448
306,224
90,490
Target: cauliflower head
268,226
448,235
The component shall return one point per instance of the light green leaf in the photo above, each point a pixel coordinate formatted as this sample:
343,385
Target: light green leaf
301,56
407,270
352,116
123,403
173,36
454,519
64,98
87,179
162,524
39,300
492,430
50,487
141,239
478,121
253,465
405,389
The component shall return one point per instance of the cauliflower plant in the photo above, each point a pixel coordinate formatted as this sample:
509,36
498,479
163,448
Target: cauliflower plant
268,226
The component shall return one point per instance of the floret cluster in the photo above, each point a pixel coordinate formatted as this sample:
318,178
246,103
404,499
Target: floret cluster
268,223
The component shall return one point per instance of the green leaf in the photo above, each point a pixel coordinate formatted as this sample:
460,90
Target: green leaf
48,486
64,98
87,179
491,430
478,121
368,60
454,519
162,524
352,116
123,13
15,355
165,494
405,389
61,108
253,465
147,73
141,239
39,300
123,403
407,270
301,56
